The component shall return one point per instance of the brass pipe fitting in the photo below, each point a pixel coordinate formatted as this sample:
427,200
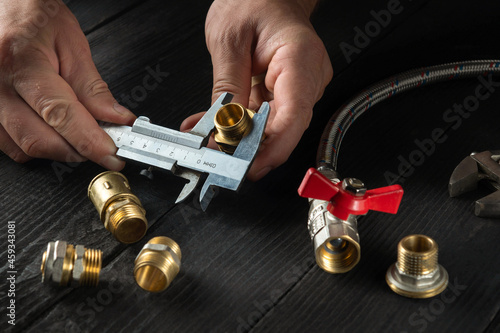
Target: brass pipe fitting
232,123
157,264
120,210
65,264
336,241
417,273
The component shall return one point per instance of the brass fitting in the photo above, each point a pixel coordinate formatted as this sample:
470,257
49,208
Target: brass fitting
65,264
417,273
232,123
157,264
336,241
119,209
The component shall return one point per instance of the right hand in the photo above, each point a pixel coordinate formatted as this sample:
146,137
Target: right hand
50,91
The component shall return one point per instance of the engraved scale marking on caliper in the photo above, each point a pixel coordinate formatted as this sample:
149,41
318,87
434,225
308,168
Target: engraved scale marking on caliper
185,154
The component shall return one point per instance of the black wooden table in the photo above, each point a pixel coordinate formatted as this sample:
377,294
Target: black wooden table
247,263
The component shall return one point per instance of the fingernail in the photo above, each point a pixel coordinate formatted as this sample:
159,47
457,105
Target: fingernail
112,163
263,172
120,109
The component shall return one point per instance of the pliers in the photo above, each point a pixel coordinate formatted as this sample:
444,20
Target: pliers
483,166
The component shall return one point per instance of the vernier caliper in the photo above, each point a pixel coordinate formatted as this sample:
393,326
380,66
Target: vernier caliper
186,154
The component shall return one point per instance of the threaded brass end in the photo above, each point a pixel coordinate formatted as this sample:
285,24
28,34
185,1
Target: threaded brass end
120,210
417,255
157,264
65,264
128,223
417,273
338,255
92,262
232,123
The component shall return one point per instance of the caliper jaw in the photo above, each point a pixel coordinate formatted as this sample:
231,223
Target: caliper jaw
247,150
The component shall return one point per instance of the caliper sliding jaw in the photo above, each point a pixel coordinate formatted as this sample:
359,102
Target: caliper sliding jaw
186,154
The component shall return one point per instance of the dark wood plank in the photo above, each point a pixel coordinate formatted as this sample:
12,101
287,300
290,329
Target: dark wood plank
247,262
93,15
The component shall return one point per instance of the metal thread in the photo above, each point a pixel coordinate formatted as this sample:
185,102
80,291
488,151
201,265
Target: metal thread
92,262
128,223
232,122
154,269
337,259
417,255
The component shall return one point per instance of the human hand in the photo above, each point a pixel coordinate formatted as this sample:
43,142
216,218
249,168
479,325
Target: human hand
273,37
50,90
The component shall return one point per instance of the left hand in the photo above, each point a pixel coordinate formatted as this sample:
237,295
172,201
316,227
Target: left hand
273,38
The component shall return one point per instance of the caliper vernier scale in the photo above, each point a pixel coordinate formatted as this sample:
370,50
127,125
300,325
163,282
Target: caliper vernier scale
186,154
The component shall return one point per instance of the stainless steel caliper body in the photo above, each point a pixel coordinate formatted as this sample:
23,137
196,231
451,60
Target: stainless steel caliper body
186,155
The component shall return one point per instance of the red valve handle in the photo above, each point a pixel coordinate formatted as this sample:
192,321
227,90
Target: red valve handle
343,203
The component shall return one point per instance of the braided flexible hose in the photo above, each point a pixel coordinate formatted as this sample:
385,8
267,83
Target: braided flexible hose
341,120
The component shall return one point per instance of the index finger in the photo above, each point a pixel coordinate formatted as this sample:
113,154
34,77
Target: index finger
54,100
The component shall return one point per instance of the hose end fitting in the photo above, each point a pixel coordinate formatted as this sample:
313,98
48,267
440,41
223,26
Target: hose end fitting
119,209
65,264
157,264
232,123
417,273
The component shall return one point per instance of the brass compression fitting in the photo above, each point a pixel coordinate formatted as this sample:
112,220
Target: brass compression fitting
120,210
417,273
157,264
232,123
65,264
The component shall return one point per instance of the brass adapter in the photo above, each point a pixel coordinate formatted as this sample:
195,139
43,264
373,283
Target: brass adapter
157,264
232,123
417,273
65,264
120,210
335,241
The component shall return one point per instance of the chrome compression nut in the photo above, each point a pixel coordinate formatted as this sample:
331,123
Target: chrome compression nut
417,273
65,264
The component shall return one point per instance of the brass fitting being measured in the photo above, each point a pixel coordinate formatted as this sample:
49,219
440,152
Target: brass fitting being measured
335,241
157,264
65,264
417,273
232,123
120,210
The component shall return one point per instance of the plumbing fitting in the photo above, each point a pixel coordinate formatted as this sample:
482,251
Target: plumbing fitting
119,209
65,264
157,264
232,123
417,273
334,207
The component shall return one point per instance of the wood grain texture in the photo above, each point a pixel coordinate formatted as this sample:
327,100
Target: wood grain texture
248,263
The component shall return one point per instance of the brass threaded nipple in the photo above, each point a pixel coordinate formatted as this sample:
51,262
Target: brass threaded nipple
417,255
417,273
157,264
119,209
92,262
232,123
65,264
